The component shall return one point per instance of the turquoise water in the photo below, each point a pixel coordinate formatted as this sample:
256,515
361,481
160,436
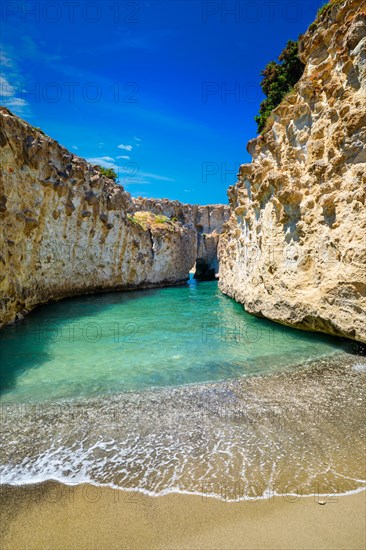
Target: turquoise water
158,391
117,342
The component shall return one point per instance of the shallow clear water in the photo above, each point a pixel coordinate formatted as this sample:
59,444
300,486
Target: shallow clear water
118,342
178,389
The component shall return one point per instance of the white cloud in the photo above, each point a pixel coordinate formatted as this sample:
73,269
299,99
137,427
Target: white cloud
5,61
154,176
125,182
101,161
126,157
126,176
15,103
9,95
34,49
6,89
74,147
137,139
142,178
126,147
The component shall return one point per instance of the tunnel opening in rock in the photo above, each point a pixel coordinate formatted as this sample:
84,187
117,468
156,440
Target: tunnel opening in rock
203,271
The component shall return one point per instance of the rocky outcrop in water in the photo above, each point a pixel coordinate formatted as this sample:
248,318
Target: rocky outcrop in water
207,220
66,229
294,249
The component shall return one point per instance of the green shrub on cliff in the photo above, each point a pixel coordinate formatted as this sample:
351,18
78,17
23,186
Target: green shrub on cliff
39,130
108,172
162,219
326,7
278,80
149,220
322,9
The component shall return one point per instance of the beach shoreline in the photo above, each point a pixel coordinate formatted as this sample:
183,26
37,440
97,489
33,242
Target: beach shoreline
53,515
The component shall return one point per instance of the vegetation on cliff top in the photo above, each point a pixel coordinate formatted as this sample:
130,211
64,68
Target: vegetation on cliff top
148,220
322,11
278,80
108,172
326,7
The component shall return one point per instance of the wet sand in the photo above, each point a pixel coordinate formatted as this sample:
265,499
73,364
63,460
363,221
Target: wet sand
55,516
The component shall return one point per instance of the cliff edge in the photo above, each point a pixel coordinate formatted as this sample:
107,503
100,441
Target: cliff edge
294,249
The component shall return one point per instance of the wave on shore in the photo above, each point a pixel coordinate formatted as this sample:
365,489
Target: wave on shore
297,433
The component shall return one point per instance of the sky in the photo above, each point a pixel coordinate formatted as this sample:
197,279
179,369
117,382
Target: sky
163,91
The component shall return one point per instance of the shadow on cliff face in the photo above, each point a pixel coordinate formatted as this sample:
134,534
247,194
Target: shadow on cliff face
25,344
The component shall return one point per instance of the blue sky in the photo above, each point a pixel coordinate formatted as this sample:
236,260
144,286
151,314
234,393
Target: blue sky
164,91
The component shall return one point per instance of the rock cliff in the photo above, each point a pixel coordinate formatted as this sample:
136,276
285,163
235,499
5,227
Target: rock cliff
294,249
207,221
65,229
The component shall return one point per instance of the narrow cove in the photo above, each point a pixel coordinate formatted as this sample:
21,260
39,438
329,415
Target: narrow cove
179,390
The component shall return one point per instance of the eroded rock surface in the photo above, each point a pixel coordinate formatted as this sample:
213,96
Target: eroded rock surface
207,220
294,249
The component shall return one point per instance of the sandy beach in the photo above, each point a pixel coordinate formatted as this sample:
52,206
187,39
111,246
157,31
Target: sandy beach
56,516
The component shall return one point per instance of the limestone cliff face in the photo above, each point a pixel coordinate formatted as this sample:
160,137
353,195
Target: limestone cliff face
294,249
66,229
207,221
